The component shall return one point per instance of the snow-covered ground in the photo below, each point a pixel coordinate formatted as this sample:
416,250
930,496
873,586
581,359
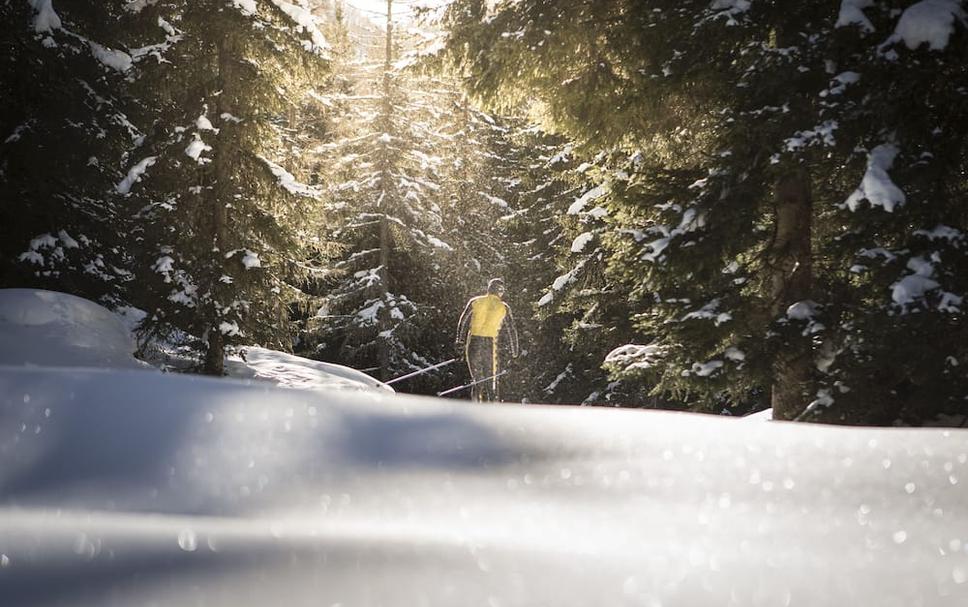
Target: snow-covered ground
126,487
45,328
60,330
289,371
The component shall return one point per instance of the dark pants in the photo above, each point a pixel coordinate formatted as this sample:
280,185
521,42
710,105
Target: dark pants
482,362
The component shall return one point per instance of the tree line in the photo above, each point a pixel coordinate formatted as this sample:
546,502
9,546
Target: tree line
707,206
781,190
258,173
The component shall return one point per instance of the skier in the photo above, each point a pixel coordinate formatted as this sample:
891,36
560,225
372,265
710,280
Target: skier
485,320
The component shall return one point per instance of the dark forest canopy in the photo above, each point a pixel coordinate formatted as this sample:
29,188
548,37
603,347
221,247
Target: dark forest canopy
716,205
784,187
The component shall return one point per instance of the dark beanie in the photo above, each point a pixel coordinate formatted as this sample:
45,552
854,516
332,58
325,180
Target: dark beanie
493,285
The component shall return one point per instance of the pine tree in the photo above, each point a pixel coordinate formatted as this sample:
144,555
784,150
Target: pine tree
221,254
584,302
385,188
894,263
65,133
555,257
417,158
484,178
728,139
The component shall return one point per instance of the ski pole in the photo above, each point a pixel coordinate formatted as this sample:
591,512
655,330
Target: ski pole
421,371
473,383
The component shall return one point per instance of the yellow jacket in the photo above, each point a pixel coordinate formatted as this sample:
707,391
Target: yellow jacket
485,316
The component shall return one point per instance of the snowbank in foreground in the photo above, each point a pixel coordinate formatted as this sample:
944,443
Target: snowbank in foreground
59,330
124,488
50,329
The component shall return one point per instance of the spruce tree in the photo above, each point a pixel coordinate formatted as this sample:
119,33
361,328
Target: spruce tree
556,255
384,188
729,139
65,133
484,178
895,257
220,214
424,184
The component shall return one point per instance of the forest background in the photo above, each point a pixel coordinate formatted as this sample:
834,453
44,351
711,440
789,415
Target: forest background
711,206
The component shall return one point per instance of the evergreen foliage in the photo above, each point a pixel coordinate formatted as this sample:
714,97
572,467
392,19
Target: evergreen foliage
384,192
426,186
554,266
501,199
727,205
728,138
64,134
224,227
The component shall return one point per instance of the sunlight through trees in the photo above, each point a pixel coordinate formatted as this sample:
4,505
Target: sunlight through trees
717,206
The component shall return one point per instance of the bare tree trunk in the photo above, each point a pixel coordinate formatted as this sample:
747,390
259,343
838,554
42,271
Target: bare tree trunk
383,316
792,281
386,193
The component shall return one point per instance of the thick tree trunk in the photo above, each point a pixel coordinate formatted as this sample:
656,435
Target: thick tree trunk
792,281
215,354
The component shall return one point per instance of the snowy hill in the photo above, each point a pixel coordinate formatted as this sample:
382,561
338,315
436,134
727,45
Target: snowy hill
121,487
289,371
50,329
56,329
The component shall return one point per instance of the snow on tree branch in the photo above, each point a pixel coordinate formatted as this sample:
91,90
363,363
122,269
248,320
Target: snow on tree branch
876,186
300,14
136,6
852,13
46,20
288,181
630,357
134,175
303,17
928,22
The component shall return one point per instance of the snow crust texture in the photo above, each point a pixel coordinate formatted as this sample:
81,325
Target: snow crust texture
132,488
